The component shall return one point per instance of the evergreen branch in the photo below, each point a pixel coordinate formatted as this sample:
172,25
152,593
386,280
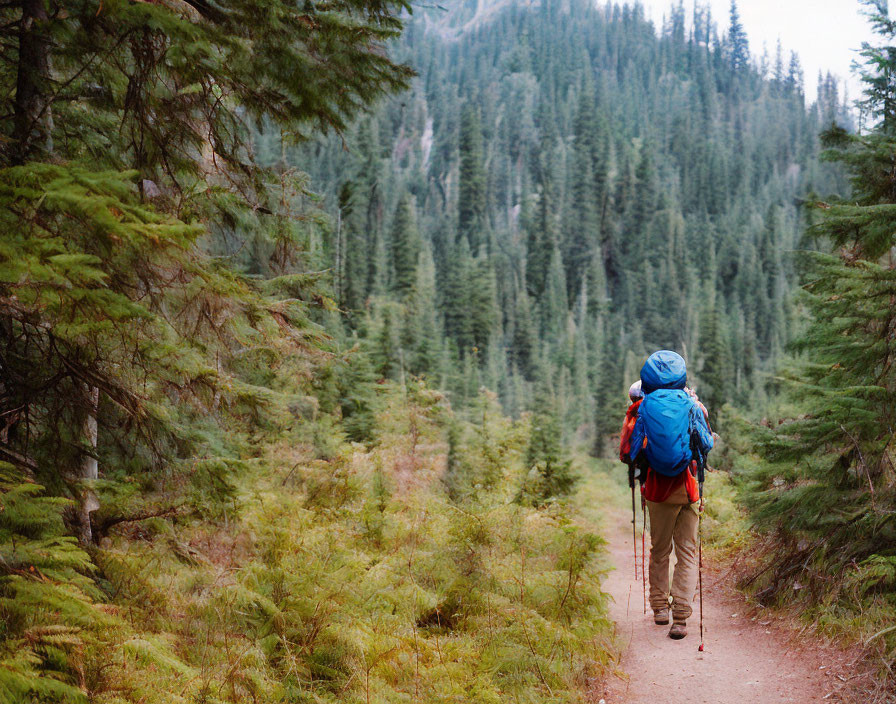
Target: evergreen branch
101,527
13,457
862,462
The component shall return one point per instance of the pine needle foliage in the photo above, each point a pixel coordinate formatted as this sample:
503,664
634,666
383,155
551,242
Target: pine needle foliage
551,476
153,86
46,597
144,355
126,169
829,491
101,291
397,590
353,578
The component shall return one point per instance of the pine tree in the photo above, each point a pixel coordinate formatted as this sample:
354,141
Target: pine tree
551,475
369,210
425,346
523,346
542,230
458,296
386,352
714,372
778,70
357,400
554,305
132,202
116,298
472,217
643,206
353,275
836,456
405,246
738,46
588,178
483,305
610,402
794,82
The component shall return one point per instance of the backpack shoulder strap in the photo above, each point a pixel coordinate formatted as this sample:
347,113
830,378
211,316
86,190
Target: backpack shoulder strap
696,446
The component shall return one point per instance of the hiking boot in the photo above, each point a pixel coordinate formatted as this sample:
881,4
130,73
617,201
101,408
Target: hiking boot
678,631
661,617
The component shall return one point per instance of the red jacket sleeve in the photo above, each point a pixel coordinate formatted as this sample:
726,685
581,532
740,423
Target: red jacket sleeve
627,427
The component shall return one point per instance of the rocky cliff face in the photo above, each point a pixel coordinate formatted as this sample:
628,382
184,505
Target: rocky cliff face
454,19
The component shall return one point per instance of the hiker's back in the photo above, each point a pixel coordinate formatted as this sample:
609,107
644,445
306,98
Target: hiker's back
672,433
666,413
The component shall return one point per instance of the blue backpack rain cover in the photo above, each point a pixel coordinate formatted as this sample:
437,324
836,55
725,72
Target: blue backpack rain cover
666,413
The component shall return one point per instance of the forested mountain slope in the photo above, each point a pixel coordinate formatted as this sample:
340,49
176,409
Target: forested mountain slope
574,189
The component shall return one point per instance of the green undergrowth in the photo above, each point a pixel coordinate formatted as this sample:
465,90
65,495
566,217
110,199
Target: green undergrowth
782,565
329,572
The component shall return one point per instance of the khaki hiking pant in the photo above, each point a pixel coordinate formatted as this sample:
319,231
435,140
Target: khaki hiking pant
670,524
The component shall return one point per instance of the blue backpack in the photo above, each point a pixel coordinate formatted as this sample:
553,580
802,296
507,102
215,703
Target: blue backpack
675,428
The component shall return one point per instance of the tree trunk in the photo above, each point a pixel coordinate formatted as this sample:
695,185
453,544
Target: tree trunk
31,122
89,466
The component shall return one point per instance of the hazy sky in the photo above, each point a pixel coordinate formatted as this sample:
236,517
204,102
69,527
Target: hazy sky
825,33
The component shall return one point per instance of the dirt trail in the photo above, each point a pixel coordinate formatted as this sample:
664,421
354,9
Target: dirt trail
743,662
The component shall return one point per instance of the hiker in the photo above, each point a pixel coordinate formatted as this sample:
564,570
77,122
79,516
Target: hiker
672,434
635,394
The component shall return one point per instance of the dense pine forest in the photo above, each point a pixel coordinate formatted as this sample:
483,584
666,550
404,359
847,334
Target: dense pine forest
574,190
317,320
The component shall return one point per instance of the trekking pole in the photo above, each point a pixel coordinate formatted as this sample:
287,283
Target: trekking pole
701,476
700,563
643,550
631,483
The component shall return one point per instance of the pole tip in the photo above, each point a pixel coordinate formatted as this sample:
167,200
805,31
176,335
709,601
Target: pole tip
700,648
